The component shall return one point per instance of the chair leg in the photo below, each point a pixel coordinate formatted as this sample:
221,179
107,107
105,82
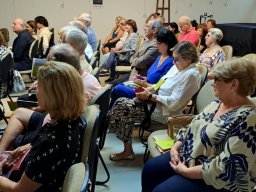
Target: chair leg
141,134
106,170
2,116
146,154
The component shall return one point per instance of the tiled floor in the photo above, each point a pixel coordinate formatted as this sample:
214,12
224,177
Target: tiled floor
125,176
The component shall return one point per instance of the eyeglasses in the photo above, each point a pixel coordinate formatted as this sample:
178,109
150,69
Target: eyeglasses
176,60
215,79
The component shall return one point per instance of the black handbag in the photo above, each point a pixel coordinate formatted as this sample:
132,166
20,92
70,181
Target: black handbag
123,58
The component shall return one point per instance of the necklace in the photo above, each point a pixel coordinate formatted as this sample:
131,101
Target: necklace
161,60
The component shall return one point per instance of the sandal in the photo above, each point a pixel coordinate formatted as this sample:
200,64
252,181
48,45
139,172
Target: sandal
115,157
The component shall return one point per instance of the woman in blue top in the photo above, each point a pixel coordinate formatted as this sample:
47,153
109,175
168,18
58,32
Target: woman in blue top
165,41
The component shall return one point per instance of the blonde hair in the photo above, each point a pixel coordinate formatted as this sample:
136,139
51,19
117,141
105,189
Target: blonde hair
63,90
119,18
241,69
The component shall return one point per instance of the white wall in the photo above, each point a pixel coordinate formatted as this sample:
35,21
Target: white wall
60,12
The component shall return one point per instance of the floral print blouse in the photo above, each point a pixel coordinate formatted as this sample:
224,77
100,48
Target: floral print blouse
209,60
226,147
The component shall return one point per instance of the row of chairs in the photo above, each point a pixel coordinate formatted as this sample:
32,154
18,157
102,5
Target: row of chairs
93,142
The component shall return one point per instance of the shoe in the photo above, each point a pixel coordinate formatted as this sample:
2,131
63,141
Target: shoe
109,80
114,157
104,72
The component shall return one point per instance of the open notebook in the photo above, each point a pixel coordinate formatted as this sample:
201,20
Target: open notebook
35,66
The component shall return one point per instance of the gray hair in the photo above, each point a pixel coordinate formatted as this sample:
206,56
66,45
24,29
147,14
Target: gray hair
85,18
184,19
241,69
187,51
156,24
79,24
65,53
75,37
216,34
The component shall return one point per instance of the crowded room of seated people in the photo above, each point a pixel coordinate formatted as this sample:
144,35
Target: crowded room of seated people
127,96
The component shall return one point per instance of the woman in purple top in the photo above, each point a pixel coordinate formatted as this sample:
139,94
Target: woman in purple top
165,41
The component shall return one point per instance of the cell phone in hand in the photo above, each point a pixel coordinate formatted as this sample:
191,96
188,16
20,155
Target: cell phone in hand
139,89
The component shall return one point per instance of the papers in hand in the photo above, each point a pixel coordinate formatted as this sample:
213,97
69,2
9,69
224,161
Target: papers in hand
35,66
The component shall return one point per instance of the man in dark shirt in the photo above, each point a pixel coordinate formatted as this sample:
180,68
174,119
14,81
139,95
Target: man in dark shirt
21,45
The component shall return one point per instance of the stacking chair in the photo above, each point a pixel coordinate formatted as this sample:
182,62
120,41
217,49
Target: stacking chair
203,72
228,50
77,178
33,53
89,143
94,62
98,45
250,57
6,77
102,100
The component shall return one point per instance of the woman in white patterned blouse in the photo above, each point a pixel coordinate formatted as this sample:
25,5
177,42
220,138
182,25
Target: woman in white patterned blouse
217,152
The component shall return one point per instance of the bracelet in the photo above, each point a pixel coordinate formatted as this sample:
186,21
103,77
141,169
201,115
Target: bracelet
150,96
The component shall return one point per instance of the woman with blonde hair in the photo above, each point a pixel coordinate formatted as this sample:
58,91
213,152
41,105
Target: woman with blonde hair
217,150
115,35
58,143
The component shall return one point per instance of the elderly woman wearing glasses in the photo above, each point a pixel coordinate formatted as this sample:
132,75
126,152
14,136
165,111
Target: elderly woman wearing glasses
217,150
213,54
171,94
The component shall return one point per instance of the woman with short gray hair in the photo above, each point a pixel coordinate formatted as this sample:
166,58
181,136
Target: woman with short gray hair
213,54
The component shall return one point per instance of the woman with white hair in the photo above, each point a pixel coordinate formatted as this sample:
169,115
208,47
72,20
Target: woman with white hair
214,53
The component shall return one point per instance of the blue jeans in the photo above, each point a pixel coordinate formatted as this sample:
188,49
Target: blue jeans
158,176
111,64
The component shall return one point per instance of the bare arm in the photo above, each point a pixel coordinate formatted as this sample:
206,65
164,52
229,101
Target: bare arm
17,124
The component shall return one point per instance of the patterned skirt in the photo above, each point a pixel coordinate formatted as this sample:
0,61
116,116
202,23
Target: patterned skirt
123,115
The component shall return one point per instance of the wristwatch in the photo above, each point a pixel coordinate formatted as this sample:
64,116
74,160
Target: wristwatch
150,96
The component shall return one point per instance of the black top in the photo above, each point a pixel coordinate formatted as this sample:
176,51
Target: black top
20,48
53,151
